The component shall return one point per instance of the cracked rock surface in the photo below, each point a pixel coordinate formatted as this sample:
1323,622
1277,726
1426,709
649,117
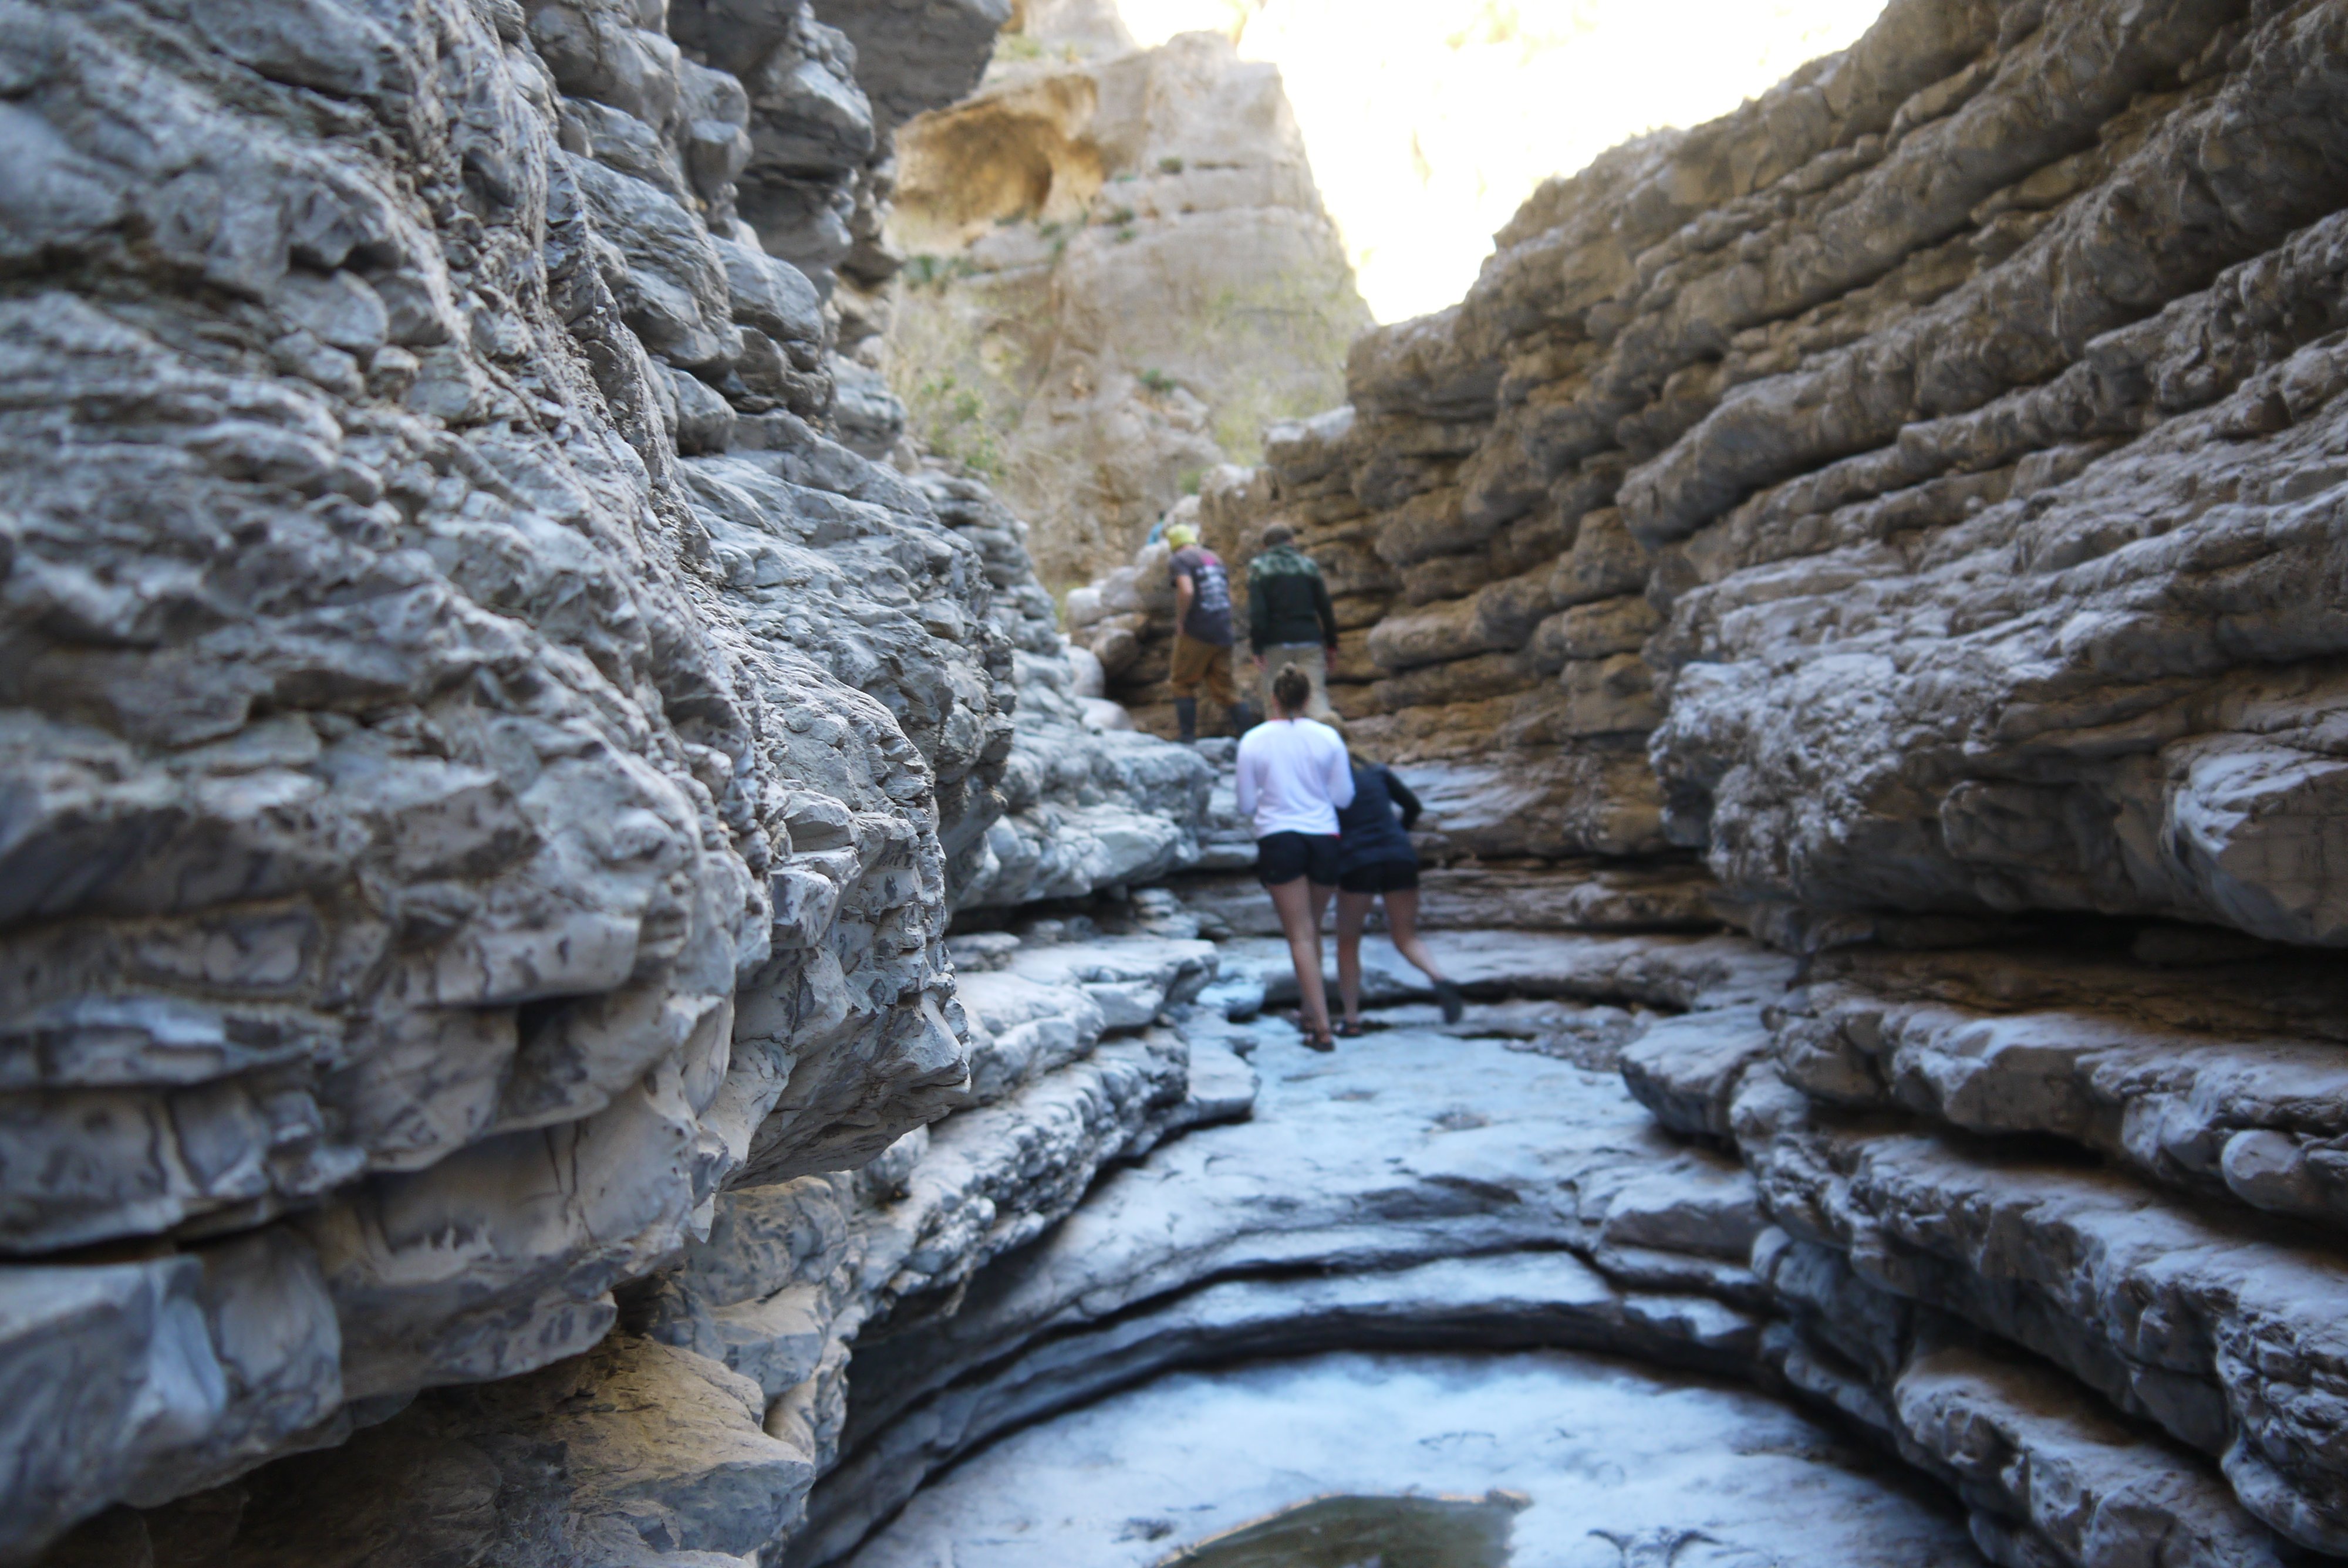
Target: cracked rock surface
484,772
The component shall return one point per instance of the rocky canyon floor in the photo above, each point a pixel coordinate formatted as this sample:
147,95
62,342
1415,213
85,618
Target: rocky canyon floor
1621,1465
1468,1145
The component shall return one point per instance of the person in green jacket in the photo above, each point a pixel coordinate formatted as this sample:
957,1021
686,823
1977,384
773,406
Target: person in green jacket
1291,621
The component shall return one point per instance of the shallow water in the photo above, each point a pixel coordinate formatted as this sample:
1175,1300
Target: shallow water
1620,1466
1355,1531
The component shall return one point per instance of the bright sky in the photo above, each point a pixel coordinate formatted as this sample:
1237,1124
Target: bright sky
1429,121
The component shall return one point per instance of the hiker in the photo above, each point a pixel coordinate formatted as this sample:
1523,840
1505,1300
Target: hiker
1293,778
1375,861
1202,632
1291,621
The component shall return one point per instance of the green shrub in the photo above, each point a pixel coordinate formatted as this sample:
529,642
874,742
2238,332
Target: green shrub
951,419
923,270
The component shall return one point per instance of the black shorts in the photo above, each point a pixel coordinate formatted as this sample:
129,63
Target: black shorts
1382,876
1285,856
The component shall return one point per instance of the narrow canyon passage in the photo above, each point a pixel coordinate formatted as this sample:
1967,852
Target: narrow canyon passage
626,936
1430,1188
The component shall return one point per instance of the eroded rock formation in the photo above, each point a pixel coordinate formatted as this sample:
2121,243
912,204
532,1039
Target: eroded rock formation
484,772
1919,493
488,773
1121,272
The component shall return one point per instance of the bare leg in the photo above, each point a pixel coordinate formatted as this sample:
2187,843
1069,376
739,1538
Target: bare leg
1353,913
1402,926
1296,922
1320,895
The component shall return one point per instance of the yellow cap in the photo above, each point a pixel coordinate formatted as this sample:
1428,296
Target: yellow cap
1181,534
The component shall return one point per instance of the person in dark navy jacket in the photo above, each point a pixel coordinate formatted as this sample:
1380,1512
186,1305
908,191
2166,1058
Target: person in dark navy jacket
1375,861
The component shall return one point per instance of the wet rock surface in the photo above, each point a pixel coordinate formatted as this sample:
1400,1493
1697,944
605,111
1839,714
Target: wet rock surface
1601,1449
1602,1170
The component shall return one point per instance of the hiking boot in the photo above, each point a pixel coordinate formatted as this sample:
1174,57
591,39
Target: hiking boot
1447,997
1243,718
1186,715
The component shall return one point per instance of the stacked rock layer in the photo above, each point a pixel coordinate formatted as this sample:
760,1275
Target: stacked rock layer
485,773
1920,492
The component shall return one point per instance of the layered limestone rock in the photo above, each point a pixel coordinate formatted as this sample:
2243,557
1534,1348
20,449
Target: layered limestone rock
1918,492
691,1434
1529,1202
486,773
1121,272
1086,804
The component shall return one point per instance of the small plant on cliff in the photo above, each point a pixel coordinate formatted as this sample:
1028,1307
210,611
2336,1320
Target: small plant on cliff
951,420
1116,215
1159,381
1169,166
922,270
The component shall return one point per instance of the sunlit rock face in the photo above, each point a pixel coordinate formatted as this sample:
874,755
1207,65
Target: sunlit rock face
485,773
1120,272
1919,493
1885,434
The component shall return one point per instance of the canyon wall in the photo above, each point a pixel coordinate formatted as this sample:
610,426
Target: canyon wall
486,774
490,757
1919,493
1120,272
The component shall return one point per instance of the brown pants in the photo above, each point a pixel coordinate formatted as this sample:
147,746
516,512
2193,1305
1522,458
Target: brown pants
1198,664
1309,657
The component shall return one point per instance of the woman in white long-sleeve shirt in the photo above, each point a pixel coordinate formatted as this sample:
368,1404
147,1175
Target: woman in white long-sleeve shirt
1293,775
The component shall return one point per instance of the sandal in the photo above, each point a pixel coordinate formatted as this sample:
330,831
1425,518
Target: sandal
1348,1029
1319,1042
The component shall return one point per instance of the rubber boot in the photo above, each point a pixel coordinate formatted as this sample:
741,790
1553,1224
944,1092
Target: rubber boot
1243,718
1185,713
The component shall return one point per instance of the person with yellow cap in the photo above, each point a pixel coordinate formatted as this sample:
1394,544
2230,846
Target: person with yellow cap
1203,632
